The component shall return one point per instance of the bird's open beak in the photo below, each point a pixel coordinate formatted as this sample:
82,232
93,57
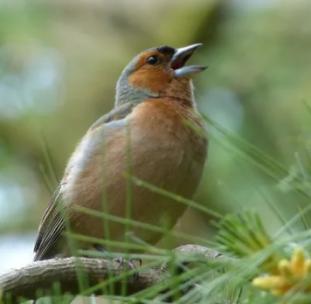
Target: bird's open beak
180,58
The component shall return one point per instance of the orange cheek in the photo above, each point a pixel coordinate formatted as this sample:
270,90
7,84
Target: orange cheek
153,80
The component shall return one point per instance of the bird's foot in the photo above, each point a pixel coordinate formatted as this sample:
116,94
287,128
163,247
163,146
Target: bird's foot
130,264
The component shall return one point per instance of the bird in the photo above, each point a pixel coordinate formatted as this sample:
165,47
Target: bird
154,134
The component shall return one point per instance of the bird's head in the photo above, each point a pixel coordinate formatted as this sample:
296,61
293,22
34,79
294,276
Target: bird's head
158,72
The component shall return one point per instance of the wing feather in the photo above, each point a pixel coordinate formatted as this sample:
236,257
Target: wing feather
53,224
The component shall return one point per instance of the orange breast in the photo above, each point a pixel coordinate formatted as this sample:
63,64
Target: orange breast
161,147
170,120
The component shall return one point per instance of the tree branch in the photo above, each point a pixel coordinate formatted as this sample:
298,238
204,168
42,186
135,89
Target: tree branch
75,274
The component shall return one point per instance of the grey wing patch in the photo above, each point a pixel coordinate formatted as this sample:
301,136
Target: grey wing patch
115,114
51,227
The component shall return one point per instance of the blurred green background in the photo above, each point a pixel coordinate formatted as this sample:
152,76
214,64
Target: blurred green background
59,62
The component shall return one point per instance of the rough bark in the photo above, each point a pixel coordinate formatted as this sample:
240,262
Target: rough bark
37,279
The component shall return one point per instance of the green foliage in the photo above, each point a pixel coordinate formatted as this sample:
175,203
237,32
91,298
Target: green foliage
243,234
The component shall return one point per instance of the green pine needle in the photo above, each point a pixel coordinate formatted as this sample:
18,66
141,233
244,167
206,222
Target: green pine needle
243,235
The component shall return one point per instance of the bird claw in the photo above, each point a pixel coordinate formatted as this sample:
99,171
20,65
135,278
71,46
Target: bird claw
129,264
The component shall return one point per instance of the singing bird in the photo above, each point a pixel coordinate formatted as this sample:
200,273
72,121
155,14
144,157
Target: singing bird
155,134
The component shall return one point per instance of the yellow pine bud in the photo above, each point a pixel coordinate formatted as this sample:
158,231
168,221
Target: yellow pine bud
298,262
269,282
307,266
284,268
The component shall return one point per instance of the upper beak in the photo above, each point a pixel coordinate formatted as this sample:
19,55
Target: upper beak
180,58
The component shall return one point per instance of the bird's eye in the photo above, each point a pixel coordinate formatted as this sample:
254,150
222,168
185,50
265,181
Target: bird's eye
152,60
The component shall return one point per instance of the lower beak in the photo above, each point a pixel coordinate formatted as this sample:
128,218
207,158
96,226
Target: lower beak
180,58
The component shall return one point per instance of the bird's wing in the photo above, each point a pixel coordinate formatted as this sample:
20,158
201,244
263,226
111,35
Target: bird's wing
115,114
50,228
52,223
